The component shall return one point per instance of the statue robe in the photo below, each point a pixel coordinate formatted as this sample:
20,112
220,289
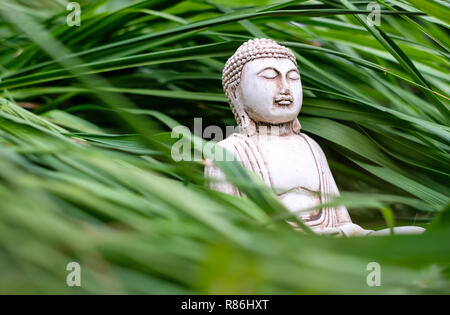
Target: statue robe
334,220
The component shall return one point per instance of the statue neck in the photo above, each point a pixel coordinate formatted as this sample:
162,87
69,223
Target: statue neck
283,129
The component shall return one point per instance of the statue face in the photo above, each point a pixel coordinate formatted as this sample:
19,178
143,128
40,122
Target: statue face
270,90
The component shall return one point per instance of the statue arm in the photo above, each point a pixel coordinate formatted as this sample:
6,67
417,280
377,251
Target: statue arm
216,178
344,224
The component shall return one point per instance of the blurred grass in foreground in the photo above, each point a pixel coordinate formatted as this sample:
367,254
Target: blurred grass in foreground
86,173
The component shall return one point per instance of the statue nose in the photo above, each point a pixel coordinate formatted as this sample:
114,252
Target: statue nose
285,91
285,87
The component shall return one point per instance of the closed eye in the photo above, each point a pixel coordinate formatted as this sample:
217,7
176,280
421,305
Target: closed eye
268,73
293,75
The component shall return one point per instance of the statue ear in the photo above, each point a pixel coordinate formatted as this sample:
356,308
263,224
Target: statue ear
246,124
233,93
296,126
236,94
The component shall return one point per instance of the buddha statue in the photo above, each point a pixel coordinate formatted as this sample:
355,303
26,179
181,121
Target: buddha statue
263,87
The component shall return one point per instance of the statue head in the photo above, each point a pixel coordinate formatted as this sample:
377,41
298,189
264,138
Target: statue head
262,84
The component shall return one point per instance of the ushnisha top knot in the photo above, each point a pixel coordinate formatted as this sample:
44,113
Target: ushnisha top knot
248,51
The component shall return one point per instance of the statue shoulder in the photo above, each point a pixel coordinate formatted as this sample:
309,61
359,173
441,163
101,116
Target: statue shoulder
244,150
312,143
233,139
232,142
229,148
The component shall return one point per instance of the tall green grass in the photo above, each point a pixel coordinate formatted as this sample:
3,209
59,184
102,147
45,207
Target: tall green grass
86,173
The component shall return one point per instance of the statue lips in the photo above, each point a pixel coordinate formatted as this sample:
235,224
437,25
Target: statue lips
284,100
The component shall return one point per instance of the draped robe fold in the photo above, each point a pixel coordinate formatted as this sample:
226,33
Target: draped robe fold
247,153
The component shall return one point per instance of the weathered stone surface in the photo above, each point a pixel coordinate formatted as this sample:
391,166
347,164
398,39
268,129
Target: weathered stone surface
264,89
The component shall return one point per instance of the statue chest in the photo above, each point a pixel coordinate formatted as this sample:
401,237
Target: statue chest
290,163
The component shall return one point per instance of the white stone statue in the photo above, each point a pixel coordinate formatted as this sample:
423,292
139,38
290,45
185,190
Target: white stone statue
263,87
